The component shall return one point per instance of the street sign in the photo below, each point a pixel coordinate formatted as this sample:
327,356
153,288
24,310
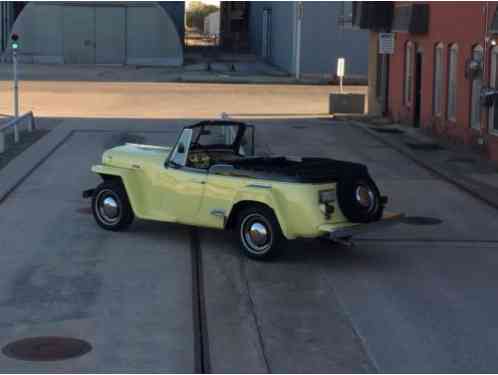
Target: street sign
341,65
386,43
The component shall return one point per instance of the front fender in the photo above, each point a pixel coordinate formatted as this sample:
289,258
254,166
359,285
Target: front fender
263,194
131,184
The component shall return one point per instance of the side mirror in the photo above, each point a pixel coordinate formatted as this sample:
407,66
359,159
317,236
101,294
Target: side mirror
181,148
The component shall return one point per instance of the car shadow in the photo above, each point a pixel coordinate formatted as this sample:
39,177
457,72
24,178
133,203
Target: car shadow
316,253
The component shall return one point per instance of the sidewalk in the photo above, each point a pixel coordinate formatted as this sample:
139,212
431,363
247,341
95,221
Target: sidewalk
467,170
201,72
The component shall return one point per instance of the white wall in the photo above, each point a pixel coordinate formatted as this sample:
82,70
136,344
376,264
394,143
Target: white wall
151,36
212,24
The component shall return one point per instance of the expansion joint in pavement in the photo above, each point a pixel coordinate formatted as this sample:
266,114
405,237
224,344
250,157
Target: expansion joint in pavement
356,332
201,342
252,307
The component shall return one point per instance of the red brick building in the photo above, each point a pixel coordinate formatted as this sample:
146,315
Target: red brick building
445,56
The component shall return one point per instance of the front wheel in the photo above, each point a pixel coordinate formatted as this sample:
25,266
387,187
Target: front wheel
260,235
111,207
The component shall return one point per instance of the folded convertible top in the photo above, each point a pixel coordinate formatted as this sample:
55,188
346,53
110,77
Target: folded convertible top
305,170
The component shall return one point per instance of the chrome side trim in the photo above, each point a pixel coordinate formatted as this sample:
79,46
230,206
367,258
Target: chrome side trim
218,212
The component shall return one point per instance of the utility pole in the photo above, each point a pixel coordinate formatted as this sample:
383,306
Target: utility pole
15,47
300,15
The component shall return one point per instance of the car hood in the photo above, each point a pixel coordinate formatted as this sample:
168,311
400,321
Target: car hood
132,155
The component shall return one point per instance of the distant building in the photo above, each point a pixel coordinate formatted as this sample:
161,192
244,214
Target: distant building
445,57
302,38
139,33
326,34
7,17
212,24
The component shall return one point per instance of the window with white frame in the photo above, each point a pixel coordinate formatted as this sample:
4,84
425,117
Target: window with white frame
408,72
452,81
475,109
493,81
438,78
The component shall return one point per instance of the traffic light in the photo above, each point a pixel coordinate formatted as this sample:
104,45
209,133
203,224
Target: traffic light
15,41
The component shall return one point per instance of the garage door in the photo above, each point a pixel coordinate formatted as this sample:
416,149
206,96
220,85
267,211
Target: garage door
79,35
110,31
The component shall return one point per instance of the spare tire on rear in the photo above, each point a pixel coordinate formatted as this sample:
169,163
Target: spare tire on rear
359,198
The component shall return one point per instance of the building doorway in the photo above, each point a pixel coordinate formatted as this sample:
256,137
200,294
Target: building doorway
418,88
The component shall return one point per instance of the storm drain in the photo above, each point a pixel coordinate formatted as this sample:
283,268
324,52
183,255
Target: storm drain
47,348
421,220
423,146
388,130
299,127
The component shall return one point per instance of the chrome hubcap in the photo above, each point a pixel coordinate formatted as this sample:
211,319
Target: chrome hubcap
364,196
108,207
256,234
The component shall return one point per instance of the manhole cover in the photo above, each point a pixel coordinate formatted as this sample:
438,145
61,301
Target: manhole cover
388,130
421,220
46,348
85,210
424,146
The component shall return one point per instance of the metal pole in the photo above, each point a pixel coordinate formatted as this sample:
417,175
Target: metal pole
16,95
300,12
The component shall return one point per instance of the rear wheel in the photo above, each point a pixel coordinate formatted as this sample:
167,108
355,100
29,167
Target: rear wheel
259,233
111,207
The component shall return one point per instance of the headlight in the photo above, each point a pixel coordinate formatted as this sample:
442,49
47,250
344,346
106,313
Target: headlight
326,196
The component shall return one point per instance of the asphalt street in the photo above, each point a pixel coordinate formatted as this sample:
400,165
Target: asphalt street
170,298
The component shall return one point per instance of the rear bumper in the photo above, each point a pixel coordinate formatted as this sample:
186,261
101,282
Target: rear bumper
341,230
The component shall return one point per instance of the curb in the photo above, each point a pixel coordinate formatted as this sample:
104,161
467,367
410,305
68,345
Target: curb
14,174
462,185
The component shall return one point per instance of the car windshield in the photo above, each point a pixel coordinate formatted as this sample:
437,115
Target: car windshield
215,136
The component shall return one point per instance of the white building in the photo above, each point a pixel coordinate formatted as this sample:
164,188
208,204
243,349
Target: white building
136,33
212,24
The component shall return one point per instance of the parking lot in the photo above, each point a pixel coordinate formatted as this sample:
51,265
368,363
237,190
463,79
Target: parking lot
170,298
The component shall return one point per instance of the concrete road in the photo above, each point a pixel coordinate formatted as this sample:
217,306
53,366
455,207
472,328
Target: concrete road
166,100
161,298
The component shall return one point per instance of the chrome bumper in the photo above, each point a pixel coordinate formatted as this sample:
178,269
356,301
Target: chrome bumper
342,230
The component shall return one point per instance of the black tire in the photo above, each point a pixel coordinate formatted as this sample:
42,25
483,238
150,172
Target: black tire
115,192
359,199
259,216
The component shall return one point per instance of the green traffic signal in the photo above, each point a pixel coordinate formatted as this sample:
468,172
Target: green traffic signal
15,43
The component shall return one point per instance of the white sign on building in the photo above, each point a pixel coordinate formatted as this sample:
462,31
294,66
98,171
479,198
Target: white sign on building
386,43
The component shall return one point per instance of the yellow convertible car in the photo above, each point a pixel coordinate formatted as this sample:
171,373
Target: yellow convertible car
211,178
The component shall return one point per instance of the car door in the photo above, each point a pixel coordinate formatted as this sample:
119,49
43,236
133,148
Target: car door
182,188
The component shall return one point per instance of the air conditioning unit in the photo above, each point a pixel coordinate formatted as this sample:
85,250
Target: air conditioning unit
473,69
488,96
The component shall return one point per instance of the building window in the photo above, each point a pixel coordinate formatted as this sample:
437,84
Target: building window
408,73
452,81
438,79
493,81
475,109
